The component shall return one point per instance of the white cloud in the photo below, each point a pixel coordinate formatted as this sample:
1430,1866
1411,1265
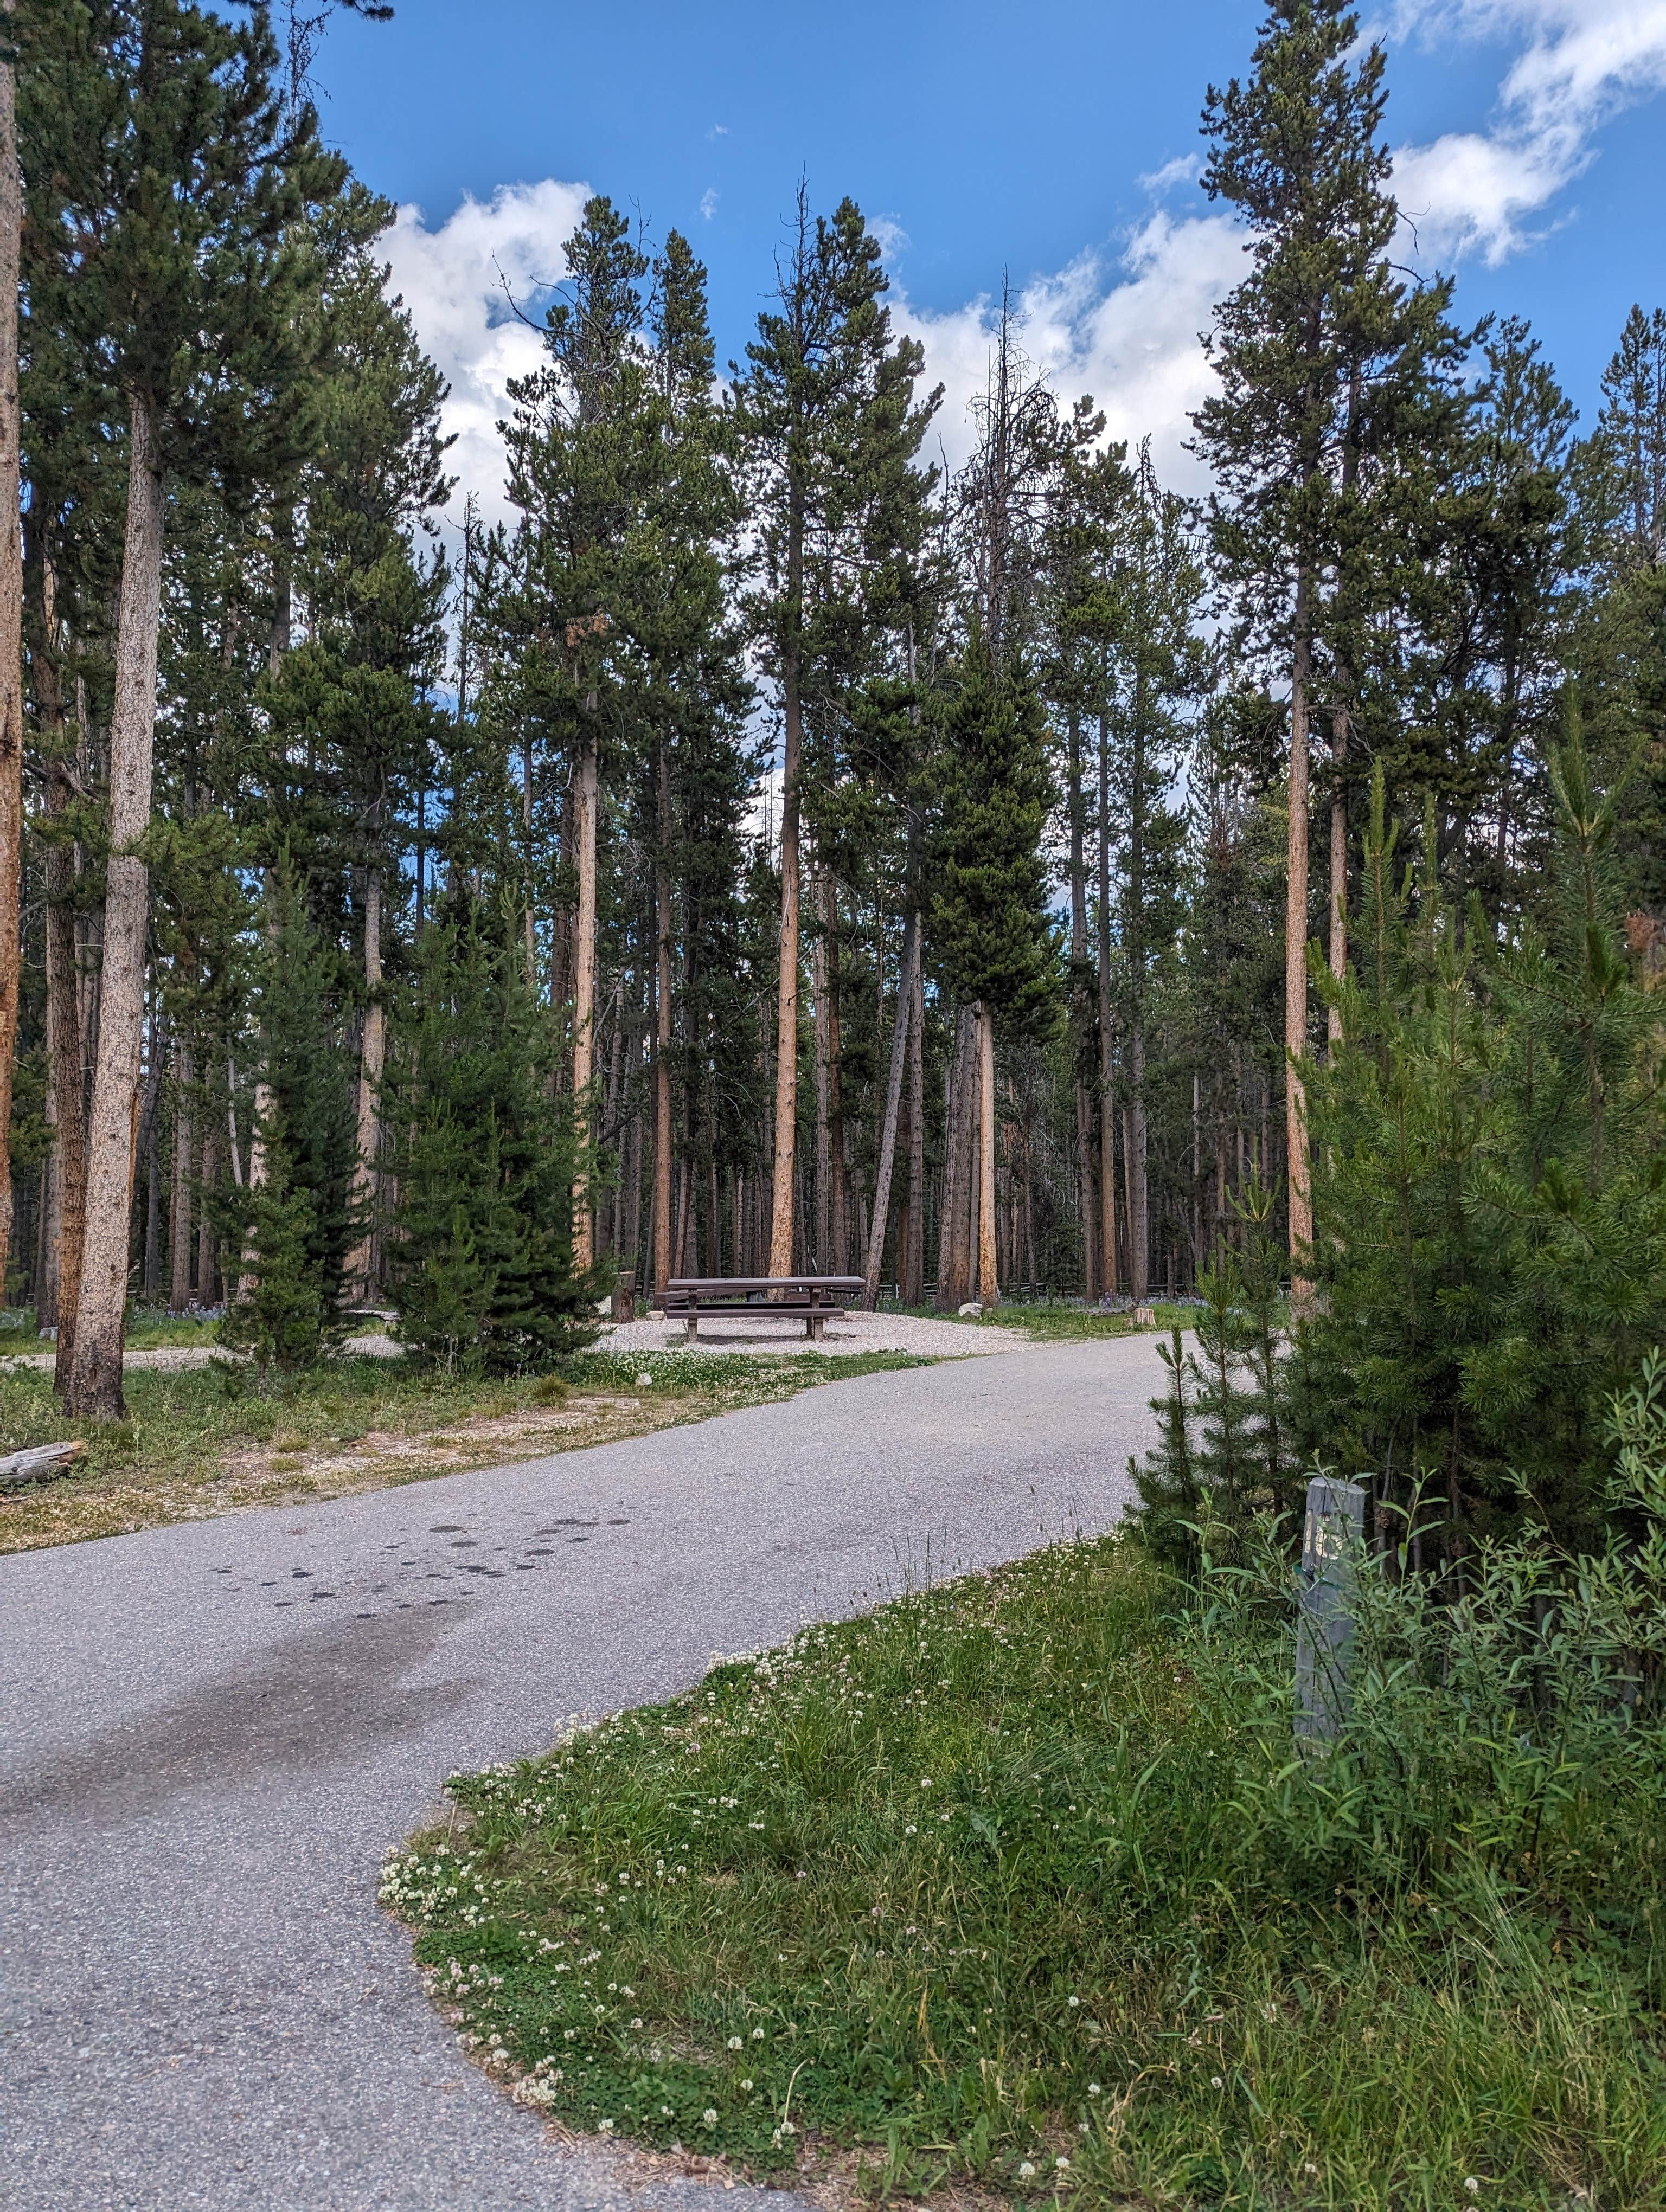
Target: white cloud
708,200
452,280
1580,62
1184,169
1128,333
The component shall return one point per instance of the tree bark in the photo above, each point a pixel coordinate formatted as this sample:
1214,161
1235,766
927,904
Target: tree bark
1295,937
178,1212
150,1152
899,1058
584,984
361,1267
954,1224
913,1257
1107,1073
94,1391
1340,731
662,1270
1077,964
205,1266
786,987
839,1206
11,633
822,1027
989,1281
1138,1227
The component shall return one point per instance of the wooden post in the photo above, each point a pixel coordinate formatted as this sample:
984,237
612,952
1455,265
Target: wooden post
1331,1537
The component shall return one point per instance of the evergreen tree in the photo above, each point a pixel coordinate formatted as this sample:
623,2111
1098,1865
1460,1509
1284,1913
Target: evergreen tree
826,408
182,282
995,943
1331,368
482,1252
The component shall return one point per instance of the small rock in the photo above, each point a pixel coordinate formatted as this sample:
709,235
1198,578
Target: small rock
644,1380
971,1311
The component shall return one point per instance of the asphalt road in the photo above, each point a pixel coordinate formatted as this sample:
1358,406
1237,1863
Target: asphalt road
209,1736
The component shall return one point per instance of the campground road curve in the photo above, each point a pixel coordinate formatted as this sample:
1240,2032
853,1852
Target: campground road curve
209,1734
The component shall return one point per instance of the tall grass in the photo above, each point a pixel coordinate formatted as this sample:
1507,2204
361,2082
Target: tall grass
1020,1883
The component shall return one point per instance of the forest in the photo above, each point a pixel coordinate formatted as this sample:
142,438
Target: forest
774,850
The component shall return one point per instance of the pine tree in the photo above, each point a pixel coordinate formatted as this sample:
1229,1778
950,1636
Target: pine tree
302,1219
183,281
481,1250
994,941
826,407
1326,357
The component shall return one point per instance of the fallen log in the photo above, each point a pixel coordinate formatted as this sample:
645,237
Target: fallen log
39,1463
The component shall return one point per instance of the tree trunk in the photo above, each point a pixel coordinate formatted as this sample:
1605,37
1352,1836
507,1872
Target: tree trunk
584,986
1295,940
65,1050
912,1257
150,1152
953,1228
1081,1017
178,1212
1134,951
361,1267
95,1379
899,1058
786,987
839,1205
662,1013
1107,1073
206,1285
1340,727
822,1030
988,1280
11,633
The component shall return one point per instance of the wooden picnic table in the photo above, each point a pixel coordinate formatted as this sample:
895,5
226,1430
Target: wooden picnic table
813,1299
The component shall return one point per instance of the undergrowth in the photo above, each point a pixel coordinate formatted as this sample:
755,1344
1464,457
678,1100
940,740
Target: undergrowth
1018,1883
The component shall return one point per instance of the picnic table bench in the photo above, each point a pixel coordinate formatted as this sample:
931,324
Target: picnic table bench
813,1299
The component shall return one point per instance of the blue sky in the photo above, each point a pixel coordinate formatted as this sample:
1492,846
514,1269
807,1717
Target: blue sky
1049,146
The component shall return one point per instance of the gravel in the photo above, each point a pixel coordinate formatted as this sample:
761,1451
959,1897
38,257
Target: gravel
857,1332
210,1733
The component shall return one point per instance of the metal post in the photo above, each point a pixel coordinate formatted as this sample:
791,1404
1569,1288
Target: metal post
1331,1536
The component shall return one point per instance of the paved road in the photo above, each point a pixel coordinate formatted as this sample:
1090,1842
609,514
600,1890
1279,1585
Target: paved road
209,1734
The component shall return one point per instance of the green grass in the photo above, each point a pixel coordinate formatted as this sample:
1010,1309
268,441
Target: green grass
983,1892
205,1440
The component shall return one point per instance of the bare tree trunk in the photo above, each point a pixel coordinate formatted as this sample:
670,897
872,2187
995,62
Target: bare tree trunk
361,1266
899,1058
205,1260
913,1255
1295,938
1078,963
11,633
786,987
150,1152
662,1031
989,1281
1134,940
95,1379
584,986
953,1229
840,1204
823,1031
51,1224
1339,865
1107,1073
178,1212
